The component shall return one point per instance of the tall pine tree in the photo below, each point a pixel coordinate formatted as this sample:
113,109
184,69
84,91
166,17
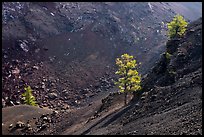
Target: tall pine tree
129,79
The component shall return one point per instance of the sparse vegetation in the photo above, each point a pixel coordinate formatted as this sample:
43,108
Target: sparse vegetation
172,72
28,98
167,55
129,79
177,26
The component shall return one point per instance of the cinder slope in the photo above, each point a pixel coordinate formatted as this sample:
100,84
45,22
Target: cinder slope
171,102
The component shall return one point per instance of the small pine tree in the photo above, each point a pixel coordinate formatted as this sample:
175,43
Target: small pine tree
28,98
167,55
129,79
177,26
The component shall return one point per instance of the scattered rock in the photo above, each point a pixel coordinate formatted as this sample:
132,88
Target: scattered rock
28,126
143,98
16,71
44,80
65,106
11,102
43,127
43,87
153,97
45,118
55,112
23,45
3,103
36,87
20,124
76,101
11,125
52,84
91,95
35,67
37,50
66,93
18,102
52,95
145,94
99,90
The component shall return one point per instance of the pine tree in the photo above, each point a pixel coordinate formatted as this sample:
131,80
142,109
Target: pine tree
129,79
177,26
28,98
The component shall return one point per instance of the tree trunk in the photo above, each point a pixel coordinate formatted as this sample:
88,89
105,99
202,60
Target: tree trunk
125,87
177,35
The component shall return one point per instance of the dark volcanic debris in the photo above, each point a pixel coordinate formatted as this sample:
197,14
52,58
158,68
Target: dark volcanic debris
66,52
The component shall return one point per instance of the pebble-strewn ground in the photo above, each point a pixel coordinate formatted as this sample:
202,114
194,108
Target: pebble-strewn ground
66,52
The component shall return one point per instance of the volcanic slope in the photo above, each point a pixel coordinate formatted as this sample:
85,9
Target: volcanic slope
66,51
171,100
167,94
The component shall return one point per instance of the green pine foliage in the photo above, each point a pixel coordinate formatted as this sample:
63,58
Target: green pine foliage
28,98
129,79
177,26
168,55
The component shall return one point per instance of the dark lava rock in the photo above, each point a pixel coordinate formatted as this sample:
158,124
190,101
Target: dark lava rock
20,124
28,127
172,46
11,125
23,45
42,127
45,118
35,67
143,98
52,95
55,112
11,103
153,97
3,103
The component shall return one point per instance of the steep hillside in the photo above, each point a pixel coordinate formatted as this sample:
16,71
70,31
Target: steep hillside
171,100
66,52
68,49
